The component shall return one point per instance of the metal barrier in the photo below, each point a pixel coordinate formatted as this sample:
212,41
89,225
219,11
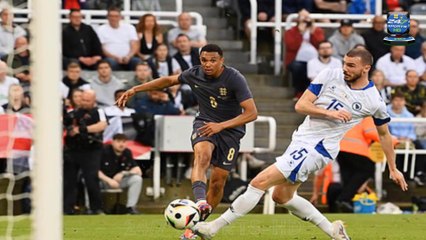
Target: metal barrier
278,25
171,131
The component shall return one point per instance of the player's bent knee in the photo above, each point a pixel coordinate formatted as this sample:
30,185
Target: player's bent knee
259,183
202,160
280,199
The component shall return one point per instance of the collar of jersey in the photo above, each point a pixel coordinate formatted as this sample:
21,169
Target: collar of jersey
369,85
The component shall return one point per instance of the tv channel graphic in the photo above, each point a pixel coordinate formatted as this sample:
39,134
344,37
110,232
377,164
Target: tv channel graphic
398,28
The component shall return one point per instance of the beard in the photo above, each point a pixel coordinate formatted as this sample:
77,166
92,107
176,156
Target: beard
325,55
351,78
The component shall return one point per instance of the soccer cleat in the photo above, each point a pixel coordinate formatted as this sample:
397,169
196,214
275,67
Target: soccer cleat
202,229
205,209
339,232
188,234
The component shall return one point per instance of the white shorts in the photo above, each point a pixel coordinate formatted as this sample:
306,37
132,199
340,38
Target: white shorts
302,159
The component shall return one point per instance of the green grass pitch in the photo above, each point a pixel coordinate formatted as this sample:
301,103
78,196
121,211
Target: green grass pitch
254,226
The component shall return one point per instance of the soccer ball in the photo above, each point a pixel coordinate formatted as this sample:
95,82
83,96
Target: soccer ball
182,214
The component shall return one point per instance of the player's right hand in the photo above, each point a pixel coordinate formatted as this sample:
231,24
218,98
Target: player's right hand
341,115
122,100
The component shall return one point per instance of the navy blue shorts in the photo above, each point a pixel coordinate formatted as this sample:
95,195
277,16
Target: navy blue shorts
227,145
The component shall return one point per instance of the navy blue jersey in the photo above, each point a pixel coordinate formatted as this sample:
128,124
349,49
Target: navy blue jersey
218,98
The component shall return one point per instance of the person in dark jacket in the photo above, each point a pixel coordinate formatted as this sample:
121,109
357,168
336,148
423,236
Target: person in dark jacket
80,42
186,56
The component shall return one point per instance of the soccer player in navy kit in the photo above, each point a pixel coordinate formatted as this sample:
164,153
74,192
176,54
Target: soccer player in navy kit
225,106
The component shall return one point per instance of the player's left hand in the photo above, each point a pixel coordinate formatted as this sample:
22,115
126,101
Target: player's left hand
399,179
209,129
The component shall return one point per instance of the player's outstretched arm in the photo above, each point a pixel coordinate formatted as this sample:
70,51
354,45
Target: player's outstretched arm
305,105
156,84
249,114
387,146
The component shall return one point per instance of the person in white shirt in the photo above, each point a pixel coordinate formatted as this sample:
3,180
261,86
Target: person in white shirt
5,83
119,42
394,65
420,63
197,36
336,101
9,32
324,60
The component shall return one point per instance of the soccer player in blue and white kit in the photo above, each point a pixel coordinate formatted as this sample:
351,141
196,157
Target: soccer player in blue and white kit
335,102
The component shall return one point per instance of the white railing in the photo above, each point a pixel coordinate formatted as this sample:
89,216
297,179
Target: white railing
278,25
90,14
127,5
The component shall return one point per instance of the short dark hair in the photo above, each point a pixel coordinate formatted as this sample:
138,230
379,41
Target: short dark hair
409,70
119,136
102,62
398,94
114,9
212,48
73,64
364,54
325,41
117,92
72,10
183,35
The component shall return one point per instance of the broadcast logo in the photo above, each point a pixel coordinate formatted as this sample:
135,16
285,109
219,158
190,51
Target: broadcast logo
398,28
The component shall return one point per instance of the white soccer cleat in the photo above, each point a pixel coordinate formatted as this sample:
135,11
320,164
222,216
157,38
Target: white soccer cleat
339,232
202,229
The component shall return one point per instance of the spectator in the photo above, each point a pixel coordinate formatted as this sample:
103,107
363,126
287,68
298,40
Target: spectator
197,36
403,131
186,55
394,65
157,102
119,170
143,74
82,151
20,60
183,99
119,41
344,39
162,64
265,12
16,102
73,80
80,43
324,60
115,111
373,38
105,84
301,43
362,7
414,50
378,77
415,94
149,34
74,101
5,83
330,6
420,64
9,32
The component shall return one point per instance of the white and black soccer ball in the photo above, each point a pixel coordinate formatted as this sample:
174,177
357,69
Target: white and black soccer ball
182,214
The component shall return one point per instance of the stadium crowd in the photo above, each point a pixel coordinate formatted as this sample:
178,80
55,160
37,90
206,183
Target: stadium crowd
150,52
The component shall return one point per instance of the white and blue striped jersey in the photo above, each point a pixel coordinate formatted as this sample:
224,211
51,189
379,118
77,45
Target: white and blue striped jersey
334,94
